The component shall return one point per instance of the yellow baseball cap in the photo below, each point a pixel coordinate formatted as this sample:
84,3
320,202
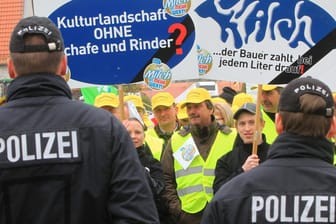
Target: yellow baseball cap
218,100
106,99
136,100
197,95
181,112
266,87
240,99
162,99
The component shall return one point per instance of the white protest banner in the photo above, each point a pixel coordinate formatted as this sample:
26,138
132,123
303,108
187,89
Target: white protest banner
125,41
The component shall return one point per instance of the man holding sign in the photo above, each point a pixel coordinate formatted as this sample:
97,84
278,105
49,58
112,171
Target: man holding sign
296,184
190,158
241,159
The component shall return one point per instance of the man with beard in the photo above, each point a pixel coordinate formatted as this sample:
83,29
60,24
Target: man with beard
190,158
270,96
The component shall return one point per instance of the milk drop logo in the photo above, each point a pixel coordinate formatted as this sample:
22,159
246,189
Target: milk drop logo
188,152
204,61
157,75
177,8
295,21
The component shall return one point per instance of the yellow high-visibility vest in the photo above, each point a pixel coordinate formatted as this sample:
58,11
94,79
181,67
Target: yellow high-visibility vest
269,129
152,132
194,185
155,144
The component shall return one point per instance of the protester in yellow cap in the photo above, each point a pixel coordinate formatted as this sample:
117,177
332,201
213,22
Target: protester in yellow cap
165,112
137,101
270,95
109,102
190,157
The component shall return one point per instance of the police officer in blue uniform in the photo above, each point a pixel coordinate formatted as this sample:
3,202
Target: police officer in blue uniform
62,161
296,184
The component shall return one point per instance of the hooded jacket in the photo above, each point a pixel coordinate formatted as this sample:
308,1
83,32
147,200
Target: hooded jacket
296,184
62,161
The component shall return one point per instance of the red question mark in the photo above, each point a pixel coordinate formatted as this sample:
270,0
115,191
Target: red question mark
180,38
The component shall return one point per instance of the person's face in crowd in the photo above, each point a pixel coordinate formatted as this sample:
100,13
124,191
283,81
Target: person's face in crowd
136,131
113,110
199,114
218,117
246,125
270,100
166,116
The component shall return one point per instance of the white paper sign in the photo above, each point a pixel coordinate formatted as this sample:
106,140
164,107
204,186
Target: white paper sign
187,153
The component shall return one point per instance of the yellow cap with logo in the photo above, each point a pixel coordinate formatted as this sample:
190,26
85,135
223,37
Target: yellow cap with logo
136,100
197,95
181,112
266,87
162,99
218,100
240,99
106,99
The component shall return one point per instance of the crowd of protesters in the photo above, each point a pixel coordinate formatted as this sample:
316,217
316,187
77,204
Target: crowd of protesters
204,160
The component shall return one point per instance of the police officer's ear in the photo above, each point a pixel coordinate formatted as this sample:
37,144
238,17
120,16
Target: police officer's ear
10,68
278,123
62,69
332,130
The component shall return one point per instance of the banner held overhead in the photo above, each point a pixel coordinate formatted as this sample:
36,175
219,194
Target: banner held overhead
116,42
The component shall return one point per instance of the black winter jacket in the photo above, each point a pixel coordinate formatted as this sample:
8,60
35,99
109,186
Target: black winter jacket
154,174
230,164
62,161
296,184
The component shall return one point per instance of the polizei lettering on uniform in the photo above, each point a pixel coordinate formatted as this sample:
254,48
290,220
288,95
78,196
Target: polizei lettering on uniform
317,89
28,148
293,209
